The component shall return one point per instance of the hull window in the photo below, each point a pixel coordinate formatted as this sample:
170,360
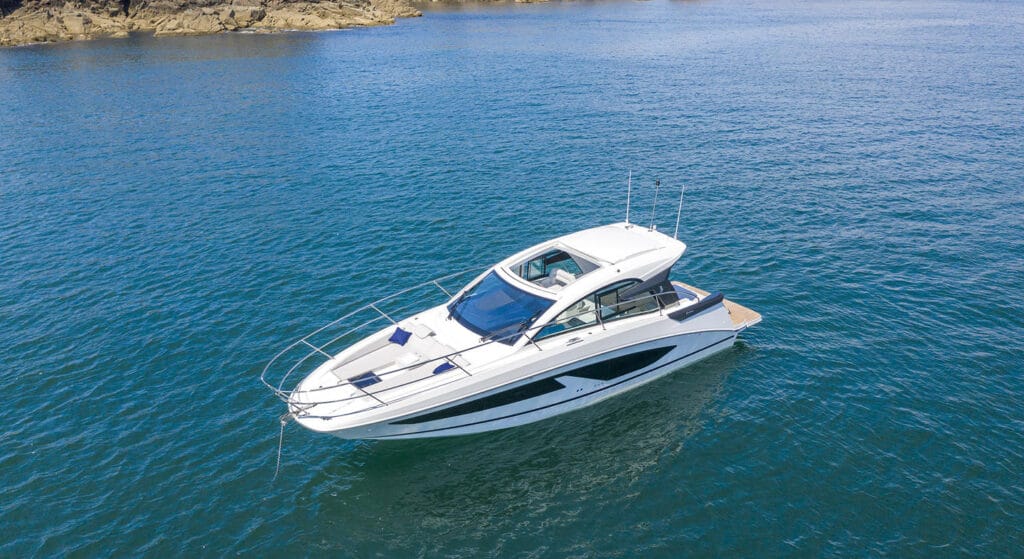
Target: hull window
608,369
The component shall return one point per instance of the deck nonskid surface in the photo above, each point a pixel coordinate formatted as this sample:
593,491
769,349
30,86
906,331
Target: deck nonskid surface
741,316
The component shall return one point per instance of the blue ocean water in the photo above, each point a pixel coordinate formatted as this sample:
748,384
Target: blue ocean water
175,211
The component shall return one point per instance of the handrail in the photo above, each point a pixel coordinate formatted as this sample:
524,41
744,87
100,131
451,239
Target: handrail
351,314
285,395
484,342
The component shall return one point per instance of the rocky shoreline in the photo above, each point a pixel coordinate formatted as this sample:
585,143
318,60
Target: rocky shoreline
41,21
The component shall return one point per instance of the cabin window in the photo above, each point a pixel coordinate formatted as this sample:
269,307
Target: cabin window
496,310
581,314
618,301
553,269
543,265
605,305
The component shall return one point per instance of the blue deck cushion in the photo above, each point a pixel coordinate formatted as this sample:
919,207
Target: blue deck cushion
400,336
364,380
446,366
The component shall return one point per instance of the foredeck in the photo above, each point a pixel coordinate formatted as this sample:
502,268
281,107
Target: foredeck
742,317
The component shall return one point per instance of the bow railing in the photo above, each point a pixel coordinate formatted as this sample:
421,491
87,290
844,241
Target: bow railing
328,332
308,346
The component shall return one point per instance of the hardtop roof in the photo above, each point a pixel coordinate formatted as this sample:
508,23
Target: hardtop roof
614,243
619,249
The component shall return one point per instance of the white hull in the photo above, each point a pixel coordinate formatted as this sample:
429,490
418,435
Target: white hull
576,392
518,344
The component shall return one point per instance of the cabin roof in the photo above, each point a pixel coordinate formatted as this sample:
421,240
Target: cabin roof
614,243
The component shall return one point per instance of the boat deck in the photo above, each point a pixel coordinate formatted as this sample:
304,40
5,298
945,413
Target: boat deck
742,317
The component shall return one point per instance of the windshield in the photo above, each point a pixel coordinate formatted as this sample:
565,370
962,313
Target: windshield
494,309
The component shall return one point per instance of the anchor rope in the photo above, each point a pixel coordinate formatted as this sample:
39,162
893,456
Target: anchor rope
280,445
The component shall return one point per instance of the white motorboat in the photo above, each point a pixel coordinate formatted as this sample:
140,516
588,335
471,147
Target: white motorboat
556,327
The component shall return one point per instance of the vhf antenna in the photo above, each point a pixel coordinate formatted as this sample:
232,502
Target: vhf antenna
629,188
679,213
657,186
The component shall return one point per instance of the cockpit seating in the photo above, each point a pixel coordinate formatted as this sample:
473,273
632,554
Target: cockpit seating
556,279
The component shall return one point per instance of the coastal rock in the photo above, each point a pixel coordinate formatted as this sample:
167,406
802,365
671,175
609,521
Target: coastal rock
395,8
192,22
246,16
62,23
58,20
320,15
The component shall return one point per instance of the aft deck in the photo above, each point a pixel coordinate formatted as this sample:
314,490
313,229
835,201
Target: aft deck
742,317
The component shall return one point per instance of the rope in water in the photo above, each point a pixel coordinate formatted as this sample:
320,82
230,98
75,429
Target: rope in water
280,444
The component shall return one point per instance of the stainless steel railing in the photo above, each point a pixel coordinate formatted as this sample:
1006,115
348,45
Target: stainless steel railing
313,349
320,349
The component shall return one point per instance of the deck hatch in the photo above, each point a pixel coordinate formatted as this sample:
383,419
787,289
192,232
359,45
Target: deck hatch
364,380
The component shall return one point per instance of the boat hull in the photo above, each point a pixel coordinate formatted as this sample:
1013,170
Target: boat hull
561,390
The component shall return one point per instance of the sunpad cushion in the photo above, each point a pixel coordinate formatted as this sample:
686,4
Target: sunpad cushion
400,336
446,366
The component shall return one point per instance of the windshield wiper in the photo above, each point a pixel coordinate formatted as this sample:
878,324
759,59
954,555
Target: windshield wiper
512,329
456,303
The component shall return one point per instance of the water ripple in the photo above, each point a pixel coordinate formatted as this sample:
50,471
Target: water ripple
175,211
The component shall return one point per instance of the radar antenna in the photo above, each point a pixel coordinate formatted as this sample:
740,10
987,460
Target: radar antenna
629,189
679,213
657,186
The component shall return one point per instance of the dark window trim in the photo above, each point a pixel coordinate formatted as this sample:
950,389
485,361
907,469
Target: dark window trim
595,298
604,370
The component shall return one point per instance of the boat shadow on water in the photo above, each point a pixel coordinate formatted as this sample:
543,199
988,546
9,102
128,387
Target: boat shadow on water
467,482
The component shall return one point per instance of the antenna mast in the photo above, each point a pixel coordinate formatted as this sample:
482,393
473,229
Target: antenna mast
657,186
679,212
629,188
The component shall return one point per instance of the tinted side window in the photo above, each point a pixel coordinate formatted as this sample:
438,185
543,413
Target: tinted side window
579,315
614,305
607,301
